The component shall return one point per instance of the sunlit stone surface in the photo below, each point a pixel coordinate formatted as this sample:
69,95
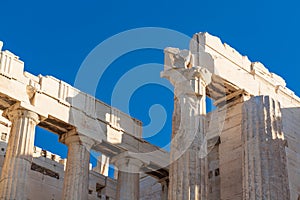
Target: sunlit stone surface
246,148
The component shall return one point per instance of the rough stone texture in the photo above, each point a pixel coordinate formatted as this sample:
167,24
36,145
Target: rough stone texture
213,171
225,152
264,160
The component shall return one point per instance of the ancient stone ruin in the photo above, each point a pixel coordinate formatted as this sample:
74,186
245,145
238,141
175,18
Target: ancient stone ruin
247,148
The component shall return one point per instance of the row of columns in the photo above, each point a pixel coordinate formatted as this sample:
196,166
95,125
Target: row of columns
18,160
262,134
262,137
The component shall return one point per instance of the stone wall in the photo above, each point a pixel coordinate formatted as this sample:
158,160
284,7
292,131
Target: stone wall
225,152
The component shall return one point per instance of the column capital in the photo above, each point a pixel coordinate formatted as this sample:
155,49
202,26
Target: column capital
74,136
16,111
126,163
188,80
76,178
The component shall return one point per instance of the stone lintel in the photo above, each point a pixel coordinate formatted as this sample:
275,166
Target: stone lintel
239,94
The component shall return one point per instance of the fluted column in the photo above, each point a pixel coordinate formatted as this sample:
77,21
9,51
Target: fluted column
264,161
128,182
76,180
187,171
18,158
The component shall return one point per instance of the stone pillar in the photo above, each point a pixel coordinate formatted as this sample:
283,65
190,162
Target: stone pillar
128,182
102,165
187,172
18,158
264,162
76,180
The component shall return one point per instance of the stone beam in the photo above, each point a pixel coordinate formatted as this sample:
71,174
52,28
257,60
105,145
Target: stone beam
112,130
231,68
68,104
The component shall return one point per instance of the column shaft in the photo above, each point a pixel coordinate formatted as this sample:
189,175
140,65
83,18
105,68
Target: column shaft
128,186
188,150
188,147
264,162
128,182
18,158
76,180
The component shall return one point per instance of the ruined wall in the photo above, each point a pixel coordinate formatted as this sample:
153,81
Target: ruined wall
225,152
234,70
264,157
291,130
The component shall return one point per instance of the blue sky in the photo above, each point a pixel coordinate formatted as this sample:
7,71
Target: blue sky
54,37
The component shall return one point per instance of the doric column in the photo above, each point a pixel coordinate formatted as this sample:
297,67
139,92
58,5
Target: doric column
18,158
264,162
76,180
128,182
188,148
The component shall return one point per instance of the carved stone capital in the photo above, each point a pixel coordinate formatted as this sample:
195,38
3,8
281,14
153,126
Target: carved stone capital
16,112
124,162
176,58
74,136
188,80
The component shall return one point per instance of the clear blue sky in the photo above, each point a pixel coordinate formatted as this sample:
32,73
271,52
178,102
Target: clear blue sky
54,37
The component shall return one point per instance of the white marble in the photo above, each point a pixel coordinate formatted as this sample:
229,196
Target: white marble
128,177
18,158
76,180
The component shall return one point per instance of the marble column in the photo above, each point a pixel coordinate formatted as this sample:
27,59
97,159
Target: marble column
187,172
18,158
128,182
264,161
76,179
